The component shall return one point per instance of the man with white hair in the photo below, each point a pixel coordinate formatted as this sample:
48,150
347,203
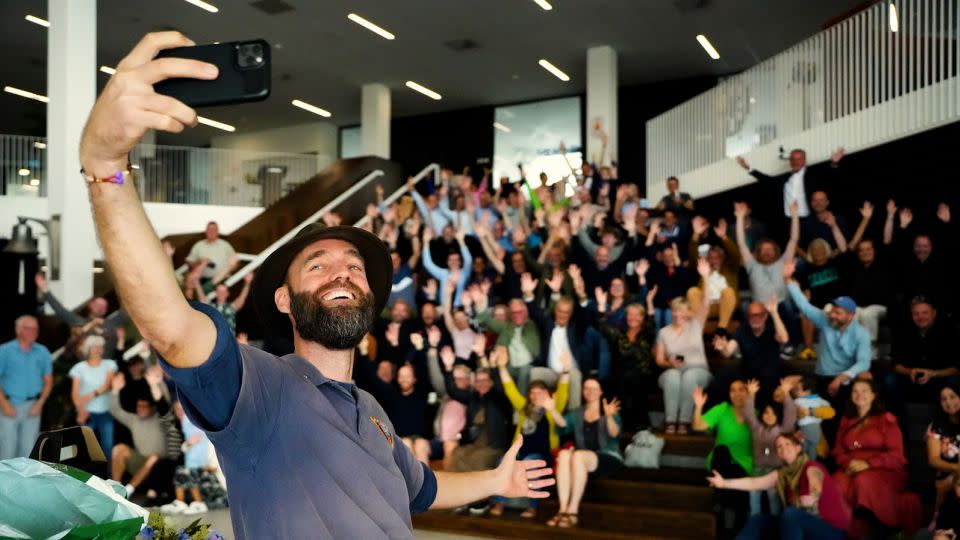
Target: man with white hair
26,378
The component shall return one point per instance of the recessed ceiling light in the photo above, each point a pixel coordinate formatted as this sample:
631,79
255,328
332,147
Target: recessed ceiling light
203,5
37,20
40,145
554,69
423,90
108,70
501,127
215,124
894,18
24,93
24,172
312,108
370,26
544,4
707,46
34,181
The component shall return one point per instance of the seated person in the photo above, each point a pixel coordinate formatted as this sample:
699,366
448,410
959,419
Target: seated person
539,417
519,335
812,410
821,281
92,380
758,343
766,426
596,451
197,473
452,415
943,443
923,359
486,435
723,283
732,454
872,469
680,353
814,507
146,428
948,520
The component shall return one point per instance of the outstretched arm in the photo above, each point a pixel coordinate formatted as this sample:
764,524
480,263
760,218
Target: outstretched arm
740,209
126,109
791,250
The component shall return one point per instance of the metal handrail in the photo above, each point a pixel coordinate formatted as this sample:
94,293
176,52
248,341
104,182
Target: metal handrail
256,261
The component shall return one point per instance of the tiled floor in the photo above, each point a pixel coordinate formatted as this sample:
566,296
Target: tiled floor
220,519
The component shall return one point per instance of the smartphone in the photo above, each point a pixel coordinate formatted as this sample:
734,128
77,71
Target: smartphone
244,74
679,358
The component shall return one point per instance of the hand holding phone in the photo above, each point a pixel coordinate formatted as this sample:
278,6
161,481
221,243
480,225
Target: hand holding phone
244,74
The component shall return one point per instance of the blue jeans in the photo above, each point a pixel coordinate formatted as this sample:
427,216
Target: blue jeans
756,502
662,317
102,426
18,434
794,524
531,503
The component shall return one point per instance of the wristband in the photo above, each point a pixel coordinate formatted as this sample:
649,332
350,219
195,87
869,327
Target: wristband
119,178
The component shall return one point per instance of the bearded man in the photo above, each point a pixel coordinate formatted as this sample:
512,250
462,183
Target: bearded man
306,453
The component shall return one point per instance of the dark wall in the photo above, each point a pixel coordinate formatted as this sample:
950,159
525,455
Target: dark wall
454,139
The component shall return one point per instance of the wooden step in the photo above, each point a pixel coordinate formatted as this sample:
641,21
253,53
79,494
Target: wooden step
649,494
665,475
687,445
632,518
511,525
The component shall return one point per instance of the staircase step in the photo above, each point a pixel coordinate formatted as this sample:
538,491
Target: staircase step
665,475
687,445
652,494
618,518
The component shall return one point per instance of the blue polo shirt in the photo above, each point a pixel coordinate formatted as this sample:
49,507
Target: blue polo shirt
304,456
844,351
22,373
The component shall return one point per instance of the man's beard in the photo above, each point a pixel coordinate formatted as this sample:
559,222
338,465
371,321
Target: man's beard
337,328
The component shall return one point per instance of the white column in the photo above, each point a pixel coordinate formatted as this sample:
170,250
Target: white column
71,87
601,100
375,120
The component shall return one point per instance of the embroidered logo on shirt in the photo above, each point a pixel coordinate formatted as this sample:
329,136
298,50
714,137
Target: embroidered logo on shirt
383,429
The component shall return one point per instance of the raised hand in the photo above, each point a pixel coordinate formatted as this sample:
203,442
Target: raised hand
891,207
829,219
601,297
479,345
128,106
703,267
363,347
753,387
651,294
743,163
556,281
789,382
417,341
118,382
430,288
372,212
740,209
716,480
378,189
566,361
549,404
866,211
906,216
721,228
641,267
574,272
393,334
153,375
794,208
500,357
448,357
789,267
612,407
450,285
772,304
41,281
699,397
427,235
598,219
528,285
837,155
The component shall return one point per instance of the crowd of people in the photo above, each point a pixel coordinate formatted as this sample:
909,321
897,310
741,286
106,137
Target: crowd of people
559,310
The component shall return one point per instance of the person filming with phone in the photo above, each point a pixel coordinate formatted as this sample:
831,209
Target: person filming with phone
305,452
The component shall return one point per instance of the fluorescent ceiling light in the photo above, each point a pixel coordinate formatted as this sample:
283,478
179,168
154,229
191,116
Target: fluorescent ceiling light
423,90
370,26
24,93
554,69
38,20
544,4
203,5
34,181
108,70
894,19
312,108
24,172
707,46
215,124
501,127
40,145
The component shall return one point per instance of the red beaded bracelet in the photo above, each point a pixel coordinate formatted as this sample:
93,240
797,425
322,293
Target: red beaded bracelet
119,178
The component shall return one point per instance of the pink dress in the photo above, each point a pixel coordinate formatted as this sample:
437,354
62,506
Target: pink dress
881,489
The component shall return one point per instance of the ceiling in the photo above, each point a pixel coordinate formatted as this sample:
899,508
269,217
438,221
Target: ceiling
321,57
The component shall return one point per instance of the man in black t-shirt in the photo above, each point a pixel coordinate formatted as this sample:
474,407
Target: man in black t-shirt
759,343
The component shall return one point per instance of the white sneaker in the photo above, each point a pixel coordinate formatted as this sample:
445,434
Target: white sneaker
196,507
176,507
130,489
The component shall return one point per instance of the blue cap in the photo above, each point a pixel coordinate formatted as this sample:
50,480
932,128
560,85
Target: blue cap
846,303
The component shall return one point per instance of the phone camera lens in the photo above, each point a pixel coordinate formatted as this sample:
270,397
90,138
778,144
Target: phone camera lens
250,55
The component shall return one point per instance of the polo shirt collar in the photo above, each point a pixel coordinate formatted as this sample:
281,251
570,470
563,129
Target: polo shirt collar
309,372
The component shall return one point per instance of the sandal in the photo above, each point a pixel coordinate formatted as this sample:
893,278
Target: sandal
569,521
529,513
555,520
683,429
670,429
496,510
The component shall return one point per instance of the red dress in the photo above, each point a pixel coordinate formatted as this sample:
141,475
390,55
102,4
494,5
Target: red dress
881,489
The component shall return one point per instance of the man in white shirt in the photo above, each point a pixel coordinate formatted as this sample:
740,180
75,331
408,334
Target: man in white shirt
212,258
797,184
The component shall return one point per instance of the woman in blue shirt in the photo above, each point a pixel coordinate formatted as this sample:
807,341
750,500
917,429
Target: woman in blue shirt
91,388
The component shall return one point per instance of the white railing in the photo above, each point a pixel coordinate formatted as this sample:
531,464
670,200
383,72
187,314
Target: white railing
176,174
254,262
858,84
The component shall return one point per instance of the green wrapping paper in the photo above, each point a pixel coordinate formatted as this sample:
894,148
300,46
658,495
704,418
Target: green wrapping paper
52,501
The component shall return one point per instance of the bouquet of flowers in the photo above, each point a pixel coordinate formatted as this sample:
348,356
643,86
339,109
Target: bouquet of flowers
156,528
